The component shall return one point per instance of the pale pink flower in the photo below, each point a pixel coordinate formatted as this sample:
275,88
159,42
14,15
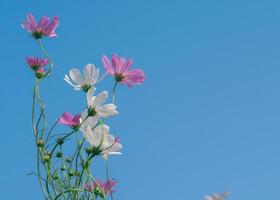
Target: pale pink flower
69,120
119,69
215,196
105,186
45,27
36,63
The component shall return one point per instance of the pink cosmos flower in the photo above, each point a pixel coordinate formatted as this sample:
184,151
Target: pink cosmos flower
119,69
45,27
36,63
69,120
105,186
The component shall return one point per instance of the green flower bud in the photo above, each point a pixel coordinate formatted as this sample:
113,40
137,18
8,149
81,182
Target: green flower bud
47,158
89,150
68,159
62,168
98,192
59,141
71,173
56,177
77,173
59,154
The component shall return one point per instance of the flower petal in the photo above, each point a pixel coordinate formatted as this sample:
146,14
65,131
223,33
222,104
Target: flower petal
76,76
107,65
100,99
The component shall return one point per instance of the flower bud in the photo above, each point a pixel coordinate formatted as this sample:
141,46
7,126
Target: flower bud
89,150
59,154
40,143
62,168
98,192
47,158
77,173
59,141
55,177
71,172
68,159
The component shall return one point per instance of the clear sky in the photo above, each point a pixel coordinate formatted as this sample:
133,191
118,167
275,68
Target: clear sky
207,118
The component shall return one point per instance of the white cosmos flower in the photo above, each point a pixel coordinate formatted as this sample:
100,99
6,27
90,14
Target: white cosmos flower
215,196
96,106
99,138
85,81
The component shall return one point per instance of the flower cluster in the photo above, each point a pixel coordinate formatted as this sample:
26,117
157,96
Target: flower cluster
66,175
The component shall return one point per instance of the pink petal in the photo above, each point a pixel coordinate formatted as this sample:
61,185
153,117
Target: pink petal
43,23
66,119
76,119
134,77
120,65
31,21
115,61
107,65
126,66
50,29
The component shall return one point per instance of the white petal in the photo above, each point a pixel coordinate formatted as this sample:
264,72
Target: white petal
90,97
100,99
107,110
76,87
76,76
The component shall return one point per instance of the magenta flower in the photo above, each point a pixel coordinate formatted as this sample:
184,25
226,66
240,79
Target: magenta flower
119,69
105,186
40,72
69,120
45,27
36,63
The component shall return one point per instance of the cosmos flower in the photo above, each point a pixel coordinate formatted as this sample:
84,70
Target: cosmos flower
36,63
83,82
96,106
119,69
215,196
105,186
45,27
101,141
69,120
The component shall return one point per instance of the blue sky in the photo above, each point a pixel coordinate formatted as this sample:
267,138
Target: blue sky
207,118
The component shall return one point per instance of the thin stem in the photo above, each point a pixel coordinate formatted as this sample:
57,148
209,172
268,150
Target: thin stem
108,178
39,174
49,133
47,56
67,191
114,90
66,136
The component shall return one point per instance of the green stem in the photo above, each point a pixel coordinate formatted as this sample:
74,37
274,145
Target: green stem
39,174
47,56
108,178
114,90
66,136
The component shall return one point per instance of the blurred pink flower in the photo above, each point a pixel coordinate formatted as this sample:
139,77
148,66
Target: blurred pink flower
36,63
215,196
119,69
69,120
45,27
105,186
